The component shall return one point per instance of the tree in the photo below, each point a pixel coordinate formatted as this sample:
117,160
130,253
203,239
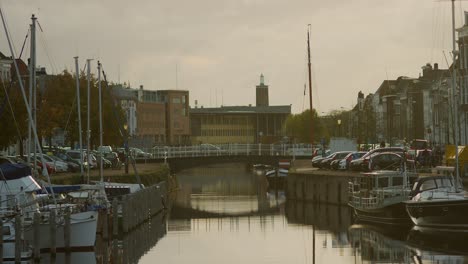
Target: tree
13,115
297,126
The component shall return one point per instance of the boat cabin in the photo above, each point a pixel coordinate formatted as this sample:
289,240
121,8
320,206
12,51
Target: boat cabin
430,183
374,188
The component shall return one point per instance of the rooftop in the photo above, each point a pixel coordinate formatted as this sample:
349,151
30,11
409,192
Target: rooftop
278,109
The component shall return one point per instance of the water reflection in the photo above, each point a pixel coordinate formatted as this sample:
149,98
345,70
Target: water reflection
227,214
380,244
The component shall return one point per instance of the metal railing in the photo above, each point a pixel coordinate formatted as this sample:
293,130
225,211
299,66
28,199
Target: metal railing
231,150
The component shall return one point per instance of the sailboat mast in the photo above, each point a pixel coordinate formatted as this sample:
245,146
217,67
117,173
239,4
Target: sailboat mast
33,80
32,92
101,172
88,130
32,72
454,88
79,116
310,89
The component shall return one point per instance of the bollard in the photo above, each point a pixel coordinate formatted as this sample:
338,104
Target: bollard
53,233
36,239
17,239
66,230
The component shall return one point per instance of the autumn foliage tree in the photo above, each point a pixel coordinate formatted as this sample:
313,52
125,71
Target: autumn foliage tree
57,110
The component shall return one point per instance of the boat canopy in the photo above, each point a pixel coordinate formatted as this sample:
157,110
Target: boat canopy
9,171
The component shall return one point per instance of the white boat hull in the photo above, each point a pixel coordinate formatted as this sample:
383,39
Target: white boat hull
82,232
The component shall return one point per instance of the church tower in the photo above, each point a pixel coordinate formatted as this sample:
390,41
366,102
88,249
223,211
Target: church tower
262,93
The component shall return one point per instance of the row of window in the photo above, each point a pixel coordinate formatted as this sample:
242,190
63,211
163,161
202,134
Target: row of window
227,132
219,120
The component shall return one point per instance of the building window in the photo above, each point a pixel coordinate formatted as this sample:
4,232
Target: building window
176,100
183,99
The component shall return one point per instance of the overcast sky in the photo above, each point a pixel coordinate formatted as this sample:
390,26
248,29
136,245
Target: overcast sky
217,49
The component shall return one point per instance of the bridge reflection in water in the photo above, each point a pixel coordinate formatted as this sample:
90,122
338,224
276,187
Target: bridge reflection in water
226,214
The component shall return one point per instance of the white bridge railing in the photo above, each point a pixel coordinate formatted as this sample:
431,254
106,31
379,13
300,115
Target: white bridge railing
231,150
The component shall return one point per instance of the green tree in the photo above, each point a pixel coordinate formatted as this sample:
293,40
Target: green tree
297,126
13,115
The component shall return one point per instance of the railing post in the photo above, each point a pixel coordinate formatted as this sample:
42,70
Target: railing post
259,149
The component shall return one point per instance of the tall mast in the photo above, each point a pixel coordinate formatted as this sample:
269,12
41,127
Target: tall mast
101,173
454,102
310,89
31,145
79,116
33,75
88,130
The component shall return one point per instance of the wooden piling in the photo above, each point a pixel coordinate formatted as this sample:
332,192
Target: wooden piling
36,238
18,241
115,217
53,233
1,242
124,214
105,226
66,230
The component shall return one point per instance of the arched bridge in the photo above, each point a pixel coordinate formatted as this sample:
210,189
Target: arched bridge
184,157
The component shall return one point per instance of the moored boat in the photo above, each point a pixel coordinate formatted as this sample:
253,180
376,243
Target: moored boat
9,244
378,196
437,202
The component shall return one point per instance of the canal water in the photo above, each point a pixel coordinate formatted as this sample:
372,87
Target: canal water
227,214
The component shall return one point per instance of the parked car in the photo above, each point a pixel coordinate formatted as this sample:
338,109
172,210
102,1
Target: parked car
357,164
50,169
316,161
105,162
75,155
104,149
325,163
210,149
344,163
71,166
139,154
384,161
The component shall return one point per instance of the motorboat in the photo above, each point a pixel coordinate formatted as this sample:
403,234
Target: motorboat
438,202
379,196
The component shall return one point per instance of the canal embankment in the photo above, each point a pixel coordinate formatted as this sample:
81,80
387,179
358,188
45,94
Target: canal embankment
309,184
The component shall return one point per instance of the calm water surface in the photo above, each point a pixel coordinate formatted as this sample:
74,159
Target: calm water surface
226,214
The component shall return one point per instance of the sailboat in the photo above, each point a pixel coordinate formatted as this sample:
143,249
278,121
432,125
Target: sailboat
440,202
21,188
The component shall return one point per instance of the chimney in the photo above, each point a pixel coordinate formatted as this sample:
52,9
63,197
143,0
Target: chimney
141,87
436,66
196,103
